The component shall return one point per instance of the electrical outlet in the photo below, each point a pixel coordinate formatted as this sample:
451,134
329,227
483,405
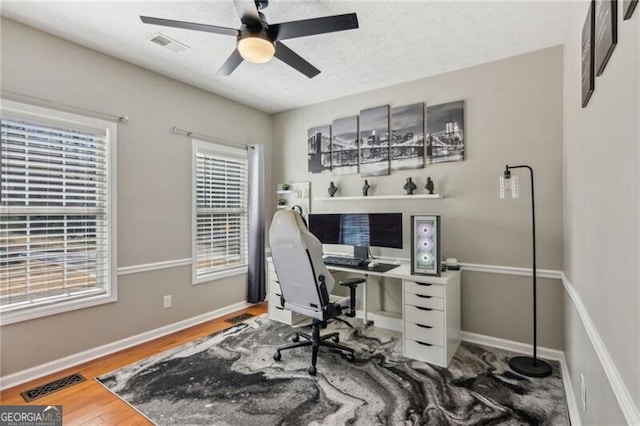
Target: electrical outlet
167,301
583,392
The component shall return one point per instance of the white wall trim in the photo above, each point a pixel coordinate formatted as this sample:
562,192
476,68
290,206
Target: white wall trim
552,354
48,368
627,406
511,270
145,267
511,345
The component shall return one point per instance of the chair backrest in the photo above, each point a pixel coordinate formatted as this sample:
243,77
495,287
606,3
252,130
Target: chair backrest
297,258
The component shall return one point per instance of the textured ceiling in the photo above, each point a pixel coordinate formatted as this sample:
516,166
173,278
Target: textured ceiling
396,41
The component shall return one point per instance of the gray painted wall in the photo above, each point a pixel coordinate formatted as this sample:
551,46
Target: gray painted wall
513,114
601,212
154,188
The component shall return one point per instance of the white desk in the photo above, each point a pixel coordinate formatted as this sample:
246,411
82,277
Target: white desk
430,317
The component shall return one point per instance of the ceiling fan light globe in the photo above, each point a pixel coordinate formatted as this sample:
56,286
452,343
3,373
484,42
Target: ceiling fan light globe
256,49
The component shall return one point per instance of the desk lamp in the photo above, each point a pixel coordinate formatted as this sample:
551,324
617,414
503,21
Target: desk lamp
526,365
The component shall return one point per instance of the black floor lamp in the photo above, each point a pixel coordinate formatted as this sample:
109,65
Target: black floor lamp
526,365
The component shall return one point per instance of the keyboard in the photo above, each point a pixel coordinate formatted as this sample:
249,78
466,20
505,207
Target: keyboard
343,261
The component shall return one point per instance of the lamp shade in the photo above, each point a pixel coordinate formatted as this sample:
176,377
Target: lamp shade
508,186
256,48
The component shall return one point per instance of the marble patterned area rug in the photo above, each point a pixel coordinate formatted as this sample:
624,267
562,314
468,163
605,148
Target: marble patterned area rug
231,378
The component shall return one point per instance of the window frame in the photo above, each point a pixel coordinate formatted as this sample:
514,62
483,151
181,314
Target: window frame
18,110
221,149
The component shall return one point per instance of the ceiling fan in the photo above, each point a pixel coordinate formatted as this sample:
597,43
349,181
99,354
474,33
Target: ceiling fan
259,41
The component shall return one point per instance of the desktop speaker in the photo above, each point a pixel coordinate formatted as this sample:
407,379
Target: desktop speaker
425,245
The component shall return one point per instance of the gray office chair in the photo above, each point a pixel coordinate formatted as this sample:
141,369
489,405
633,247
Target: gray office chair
306,284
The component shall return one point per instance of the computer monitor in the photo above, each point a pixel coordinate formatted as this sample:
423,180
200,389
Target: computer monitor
361,230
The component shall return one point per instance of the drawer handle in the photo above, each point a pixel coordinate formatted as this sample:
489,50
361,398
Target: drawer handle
424,309
423,296
278,307
427,284
422,343
424,326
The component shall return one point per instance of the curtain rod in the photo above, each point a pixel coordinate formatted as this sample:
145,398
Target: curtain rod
55,105
189,134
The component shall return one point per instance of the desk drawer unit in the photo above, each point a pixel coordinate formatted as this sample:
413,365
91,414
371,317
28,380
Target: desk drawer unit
431,312
275,310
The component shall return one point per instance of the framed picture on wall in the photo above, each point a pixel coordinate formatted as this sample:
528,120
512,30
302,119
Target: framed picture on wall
407,137
319,149
374,141
605,33
344,146
628,7
445,132
588,75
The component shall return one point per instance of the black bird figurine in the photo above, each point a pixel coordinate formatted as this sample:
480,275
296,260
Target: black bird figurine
365,188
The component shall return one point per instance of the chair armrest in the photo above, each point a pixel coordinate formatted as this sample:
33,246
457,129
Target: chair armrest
352,282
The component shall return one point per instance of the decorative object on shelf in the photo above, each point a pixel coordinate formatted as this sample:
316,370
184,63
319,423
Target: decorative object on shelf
528,366
344,146
374,141
409,186
628,7
429,185
319,149
407,137
606,32
588,75
445,134
332,189
293,194
365,188
425,245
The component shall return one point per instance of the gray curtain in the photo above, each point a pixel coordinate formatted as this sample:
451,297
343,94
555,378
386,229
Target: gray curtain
257,291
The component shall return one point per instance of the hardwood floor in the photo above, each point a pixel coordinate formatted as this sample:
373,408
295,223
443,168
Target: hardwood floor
88,403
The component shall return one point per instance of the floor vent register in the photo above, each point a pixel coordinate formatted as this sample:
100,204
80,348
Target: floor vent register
52,387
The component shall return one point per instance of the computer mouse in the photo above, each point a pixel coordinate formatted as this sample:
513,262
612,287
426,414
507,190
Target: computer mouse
372,264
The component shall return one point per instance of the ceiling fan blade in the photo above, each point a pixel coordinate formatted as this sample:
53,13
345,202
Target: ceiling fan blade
231,63
307,27
295,61
189,26
248,12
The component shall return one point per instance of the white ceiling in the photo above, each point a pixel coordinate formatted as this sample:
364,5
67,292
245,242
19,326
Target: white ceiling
396,41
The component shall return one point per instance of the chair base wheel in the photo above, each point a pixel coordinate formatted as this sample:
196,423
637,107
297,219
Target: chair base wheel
312,371
336,339
277,356
351,357
295,338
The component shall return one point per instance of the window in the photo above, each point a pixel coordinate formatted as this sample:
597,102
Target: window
219,246
56,212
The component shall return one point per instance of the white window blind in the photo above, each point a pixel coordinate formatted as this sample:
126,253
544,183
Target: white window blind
54,211
220,220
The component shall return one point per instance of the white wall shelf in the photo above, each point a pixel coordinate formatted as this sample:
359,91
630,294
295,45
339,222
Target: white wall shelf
380,197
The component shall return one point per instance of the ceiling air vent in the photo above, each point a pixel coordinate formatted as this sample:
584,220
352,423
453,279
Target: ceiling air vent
169,43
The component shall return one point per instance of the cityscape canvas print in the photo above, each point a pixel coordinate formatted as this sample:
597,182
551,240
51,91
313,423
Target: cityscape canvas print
445,132
319,149
407,137
344,145
374,141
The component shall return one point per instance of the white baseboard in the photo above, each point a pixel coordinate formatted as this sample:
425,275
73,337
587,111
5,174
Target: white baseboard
42,370
510,345
552,354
